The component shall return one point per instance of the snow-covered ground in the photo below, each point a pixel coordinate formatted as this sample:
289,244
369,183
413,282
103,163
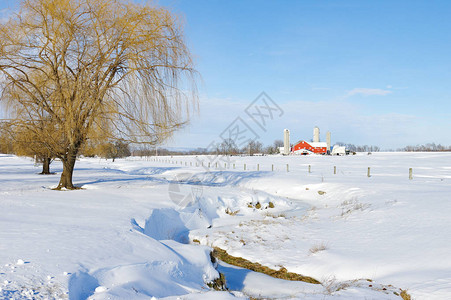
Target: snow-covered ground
130,232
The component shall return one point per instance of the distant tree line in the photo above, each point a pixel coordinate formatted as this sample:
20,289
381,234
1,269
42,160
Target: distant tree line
430,147
228,147
16,140
18,143
357,148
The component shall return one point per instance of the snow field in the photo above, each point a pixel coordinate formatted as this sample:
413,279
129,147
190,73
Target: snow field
124,235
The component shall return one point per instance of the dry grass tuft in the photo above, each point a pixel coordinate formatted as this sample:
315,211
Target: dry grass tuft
275,216
318,248
405,296
219,284
282,273
231,212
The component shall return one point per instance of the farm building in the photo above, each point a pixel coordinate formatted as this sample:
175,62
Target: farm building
338,150
304,147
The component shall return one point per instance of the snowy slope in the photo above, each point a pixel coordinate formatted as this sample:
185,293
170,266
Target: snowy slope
125,234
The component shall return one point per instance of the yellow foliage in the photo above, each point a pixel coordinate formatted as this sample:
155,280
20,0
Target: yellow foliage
79,70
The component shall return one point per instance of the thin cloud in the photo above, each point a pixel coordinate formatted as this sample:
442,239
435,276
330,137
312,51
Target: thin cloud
347,121
397,88
368,92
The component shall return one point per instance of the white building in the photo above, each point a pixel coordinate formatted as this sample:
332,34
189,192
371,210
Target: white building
338,150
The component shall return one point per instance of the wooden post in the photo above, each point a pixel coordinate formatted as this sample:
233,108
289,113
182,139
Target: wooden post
244,167
410,174
225,165
234,166
288,169
209,165
335,169
216,165
309,168
258,167
369,172
272,167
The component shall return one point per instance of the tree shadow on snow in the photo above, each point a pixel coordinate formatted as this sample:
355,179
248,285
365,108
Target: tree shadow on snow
134,179
151,170
221,178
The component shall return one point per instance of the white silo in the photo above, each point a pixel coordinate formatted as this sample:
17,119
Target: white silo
328,142
286,142
316,134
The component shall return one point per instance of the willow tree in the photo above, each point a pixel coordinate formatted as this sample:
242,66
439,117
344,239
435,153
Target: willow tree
27,141
84,65
6,142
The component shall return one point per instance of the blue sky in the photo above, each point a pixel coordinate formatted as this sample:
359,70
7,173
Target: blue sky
371,72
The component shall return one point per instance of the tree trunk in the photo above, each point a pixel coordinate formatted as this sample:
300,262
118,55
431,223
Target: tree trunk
46,165
68,170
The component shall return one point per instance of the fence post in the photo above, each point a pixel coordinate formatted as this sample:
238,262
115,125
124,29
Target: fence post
369,172
272,167
225,165
309,168
335,169
244,167
234,166
209,165
410,174
216,165
288,169
258,167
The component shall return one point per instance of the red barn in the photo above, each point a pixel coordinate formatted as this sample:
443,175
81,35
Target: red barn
304,147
